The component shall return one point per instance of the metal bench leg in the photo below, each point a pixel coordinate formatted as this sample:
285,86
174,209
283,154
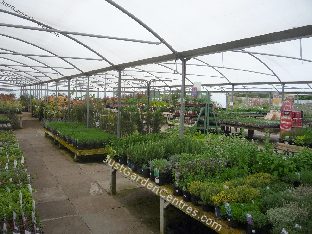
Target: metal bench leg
163,205
113,182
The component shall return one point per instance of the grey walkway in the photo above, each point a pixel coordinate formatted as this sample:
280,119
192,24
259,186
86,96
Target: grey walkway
72,197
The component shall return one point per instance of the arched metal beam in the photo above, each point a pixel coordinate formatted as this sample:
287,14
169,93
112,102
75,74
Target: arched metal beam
159,64
12,60
227,68
15,77
252,55
213,69
275,55
37,62
39,47
15,72
65,35
123,10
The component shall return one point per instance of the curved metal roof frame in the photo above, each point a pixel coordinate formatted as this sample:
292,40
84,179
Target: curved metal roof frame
13,60
35,61
41,48
268,38
49,27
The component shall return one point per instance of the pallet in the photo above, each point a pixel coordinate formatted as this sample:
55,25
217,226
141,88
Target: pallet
165,194
78,152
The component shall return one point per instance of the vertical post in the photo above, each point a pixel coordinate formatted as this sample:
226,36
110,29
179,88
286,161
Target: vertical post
105,86
98,93
181,132
30,104
232,98
297,97
270,99
47,93
162,215
119,105
148,93
56,97
68,98
88,101
283,92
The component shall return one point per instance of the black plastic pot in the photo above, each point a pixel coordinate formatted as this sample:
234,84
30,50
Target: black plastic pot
208,208
161,179
177,191
186,196
145,172
195,200
122,160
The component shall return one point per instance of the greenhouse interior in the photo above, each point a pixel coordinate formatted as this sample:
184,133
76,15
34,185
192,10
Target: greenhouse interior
176,117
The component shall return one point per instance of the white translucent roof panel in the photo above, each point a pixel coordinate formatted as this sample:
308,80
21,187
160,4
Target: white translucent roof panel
193,24
98,34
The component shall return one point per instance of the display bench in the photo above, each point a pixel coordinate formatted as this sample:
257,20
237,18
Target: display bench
251,129
78,153
167,197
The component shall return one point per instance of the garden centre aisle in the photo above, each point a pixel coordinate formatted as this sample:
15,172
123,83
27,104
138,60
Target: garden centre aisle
72,197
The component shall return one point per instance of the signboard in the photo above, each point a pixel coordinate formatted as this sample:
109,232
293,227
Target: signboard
286,116
195,89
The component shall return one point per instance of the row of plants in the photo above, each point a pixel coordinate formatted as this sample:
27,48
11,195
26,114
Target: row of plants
230,176
10,107
17,207
299,136
79,135
251,122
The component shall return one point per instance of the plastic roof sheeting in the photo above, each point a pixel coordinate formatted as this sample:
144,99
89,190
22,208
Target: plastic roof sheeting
99,34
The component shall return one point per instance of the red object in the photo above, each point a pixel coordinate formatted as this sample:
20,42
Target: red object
289,117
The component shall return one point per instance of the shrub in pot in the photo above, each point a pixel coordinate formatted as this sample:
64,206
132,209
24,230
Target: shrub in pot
195,188
210,189
161,170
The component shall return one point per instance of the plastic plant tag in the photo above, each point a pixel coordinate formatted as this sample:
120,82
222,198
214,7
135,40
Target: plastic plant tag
284,231
34,205
14,164
249,219
217,212
22,160
6,166
29,188
228,210
21,198
157,180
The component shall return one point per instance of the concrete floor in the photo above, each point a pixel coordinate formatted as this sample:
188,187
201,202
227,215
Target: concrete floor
72,197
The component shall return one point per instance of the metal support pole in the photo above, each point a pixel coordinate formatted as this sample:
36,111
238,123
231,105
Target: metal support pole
181,133
163,204
30,104
148,93
88,102
270,99
119,105
98,93
113,182
105,86
232,98
56,97
47,93
68,98
283,92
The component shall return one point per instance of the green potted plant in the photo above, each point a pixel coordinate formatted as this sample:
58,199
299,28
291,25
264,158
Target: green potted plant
162,171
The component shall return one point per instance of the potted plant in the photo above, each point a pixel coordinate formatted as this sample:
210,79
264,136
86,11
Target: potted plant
195,188
162,171
209,190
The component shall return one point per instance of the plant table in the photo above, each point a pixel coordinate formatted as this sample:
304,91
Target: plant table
77,152
167,198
